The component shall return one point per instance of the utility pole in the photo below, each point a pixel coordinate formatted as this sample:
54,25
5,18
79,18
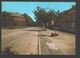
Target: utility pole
46,9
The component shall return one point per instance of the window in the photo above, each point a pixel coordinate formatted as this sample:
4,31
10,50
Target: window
72,24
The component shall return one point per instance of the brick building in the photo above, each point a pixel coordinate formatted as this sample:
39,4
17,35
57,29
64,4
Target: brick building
67,19
18,19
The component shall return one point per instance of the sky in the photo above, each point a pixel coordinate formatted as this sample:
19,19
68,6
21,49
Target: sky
28,7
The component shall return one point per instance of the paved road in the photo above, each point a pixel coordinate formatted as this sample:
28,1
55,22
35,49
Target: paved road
37,42
22,41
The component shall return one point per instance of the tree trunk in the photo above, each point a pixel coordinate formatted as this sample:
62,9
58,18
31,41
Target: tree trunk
55,31
44,26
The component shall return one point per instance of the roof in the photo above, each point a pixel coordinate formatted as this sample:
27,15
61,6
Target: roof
72,11
18,15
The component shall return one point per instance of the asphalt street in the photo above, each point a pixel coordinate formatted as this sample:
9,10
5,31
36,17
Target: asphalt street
34,41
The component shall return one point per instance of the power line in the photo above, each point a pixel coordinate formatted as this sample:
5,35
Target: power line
47,5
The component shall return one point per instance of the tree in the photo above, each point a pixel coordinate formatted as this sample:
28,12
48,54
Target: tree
9,19
51,15
28,19
5,21
43,16
40,15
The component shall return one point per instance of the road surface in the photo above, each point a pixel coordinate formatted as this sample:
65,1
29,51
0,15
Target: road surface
23,41
34,41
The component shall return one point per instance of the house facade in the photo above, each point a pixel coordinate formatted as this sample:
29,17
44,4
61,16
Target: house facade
18,19
69,20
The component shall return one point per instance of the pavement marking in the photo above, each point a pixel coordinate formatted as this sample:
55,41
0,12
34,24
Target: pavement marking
39,47
52,46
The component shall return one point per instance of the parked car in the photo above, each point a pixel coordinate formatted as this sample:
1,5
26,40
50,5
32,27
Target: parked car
72,31
58,28
64,29
50,27
54,28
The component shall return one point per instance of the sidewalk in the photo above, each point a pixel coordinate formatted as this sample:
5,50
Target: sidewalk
64,44
47,47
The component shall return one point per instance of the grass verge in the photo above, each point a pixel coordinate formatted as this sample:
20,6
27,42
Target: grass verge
15,27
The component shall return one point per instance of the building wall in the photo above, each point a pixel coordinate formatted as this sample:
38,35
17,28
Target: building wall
70,20
18,20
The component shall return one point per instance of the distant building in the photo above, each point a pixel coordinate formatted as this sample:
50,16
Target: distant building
18,19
